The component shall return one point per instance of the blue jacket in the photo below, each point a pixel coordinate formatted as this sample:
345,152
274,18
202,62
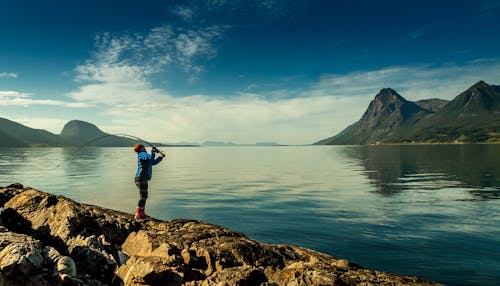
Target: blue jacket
145,164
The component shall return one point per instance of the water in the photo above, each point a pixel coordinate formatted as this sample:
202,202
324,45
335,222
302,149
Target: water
430,211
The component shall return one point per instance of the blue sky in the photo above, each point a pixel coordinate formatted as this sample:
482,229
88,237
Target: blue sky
292,72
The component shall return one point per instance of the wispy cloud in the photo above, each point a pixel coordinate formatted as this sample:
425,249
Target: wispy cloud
128,56
118,75
414,82
8,74
15,98
186,13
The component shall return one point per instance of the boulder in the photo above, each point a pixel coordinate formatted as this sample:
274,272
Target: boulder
20,255
24,261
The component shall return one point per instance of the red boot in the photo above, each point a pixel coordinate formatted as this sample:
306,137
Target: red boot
137,213
144,216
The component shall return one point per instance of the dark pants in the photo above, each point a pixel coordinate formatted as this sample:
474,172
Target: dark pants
142,185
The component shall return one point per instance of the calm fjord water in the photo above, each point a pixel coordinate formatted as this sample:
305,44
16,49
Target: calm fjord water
431,211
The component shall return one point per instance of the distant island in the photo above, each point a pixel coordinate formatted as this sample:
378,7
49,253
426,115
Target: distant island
471,117
225,144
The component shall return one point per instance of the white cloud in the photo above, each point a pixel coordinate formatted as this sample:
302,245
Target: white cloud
15,98
193,44
244,119
132,56
185,13
8,74
119,71
13,94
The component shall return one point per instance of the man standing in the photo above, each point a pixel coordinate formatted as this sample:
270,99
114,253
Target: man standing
144,172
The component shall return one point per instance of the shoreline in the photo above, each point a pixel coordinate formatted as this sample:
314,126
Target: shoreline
99,246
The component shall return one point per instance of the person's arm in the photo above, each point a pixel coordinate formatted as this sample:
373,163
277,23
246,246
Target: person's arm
155,160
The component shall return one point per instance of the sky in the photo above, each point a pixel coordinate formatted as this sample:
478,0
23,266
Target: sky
291,72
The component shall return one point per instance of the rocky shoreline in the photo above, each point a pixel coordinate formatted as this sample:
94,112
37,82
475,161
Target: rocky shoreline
52,240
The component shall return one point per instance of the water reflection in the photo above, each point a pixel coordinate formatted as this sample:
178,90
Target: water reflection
13,158
80,161
394,169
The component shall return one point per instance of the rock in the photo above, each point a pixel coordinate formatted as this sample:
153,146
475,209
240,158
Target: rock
15,186
342,264
61,266
9,192
66,266
22,260
246,275
89,245
72,228
20,255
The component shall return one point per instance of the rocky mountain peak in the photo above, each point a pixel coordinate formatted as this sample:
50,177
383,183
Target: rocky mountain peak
389,95
479,98
479,84
385,103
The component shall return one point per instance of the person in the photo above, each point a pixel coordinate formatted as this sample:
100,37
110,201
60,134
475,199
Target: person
145,163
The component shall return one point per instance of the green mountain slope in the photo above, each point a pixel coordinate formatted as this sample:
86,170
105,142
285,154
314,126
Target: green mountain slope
473,116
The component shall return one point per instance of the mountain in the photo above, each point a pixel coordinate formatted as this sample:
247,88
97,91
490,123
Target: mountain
77,132
13,134
74,133
479,99
386,114
472,116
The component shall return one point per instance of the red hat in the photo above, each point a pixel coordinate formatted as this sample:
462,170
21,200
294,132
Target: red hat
138,147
